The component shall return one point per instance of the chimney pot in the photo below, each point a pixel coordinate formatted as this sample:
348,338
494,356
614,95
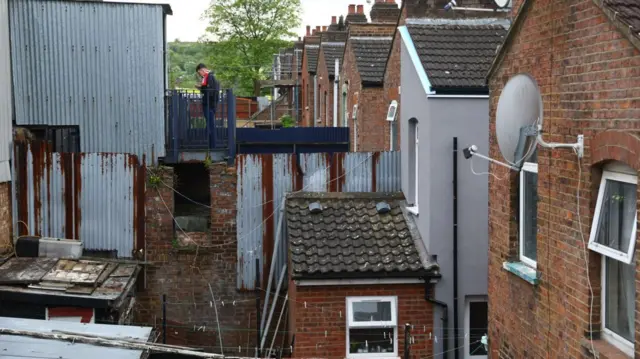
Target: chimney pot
318,29
334,20
360,9
324,28
313,32
308,30
352,9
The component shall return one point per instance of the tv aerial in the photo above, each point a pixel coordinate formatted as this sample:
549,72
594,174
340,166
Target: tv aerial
519,119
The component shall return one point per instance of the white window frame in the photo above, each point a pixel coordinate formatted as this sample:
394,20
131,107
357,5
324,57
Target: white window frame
602,249
527,167
610,336
467,329
392,324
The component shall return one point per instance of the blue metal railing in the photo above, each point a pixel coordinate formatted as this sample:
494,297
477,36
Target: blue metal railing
190,127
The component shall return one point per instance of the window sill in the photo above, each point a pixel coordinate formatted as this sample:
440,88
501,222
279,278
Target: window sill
523,271
414,210
603,349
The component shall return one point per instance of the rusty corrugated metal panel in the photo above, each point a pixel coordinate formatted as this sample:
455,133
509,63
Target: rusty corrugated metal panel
104,72
264,180
92,197
6,115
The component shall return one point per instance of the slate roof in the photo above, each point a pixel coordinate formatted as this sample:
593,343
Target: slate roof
457,55
349,238
371,57
332,51
312,51
628,11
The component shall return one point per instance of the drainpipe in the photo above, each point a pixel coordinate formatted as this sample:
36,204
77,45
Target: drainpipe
455,247
355,130
335,95
315,99
428,284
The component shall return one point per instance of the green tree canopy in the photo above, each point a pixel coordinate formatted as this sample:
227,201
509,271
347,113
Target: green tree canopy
247,34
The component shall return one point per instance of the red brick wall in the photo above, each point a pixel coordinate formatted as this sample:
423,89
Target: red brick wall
322,312
307,90
392,75
184,274
349,72
372,29
324,85
6,234
373,127
589,77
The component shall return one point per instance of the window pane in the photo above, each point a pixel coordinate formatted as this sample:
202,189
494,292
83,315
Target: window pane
530,205
617,215
478,324
370,341
620,298
371,311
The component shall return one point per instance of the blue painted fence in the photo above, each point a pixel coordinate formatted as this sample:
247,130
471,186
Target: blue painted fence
292,140
189,128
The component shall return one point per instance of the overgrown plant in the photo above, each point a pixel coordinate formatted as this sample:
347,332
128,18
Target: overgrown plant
286,121
154,181
207,162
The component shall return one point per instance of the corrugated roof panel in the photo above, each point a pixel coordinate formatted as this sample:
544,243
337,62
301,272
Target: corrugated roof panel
6,114
104,72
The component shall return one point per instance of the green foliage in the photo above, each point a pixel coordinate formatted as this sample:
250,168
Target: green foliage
183,59
286,121
247,34
154,181
207,162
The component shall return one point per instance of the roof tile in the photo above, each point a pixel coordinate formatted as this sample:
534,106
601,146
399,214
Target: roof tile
371,57
628,11
311,51
332,52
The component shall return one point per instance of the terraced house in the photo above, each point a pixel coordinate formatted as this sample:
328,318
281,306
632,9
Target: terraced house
563,266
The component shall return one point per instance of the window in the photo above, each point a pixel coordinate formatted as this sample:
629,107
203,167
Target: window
529,211
372,329
613,234
476,326
62,138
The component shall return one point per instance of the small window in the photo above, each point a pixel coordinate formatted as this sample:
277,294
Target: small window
62,138
476,324
529,211
613,230
372,329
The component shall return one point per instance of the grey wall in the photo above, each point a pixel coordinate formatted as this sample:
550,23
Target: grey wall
96,65
440,120
6,114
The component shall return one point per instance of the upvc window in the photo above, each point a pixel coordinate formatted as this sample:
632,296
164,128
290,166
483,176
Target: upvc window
613,234
372,329
529,211
476,324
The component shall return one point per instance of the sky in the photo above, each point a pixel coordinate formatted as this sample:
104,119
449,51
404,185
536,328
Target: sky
186,25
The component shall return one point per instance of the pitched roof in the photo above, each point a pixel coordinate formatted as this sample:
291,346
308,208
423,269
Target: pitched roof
332,51
371,57
349,238
627,11
459,53
312,51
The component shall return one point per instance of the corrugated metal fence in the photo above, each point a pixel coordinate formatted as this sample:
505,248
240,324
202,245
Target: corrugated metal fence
97,198
264,180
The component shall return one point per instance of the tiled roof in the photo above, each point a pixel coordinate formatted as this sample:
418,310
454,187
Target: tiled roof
371,57
628,11
457,55
349,238
311,51
332,51
298,56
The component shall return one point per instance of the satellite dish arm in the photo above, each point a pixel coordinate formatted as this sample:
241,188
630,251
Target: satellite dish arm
578,146
473,151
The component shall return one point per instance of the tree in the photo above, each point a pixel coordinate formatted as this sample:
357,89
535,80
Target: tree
247,34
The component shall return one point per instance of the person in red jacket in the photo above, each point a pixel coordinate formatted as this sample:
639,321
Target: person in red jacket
210,89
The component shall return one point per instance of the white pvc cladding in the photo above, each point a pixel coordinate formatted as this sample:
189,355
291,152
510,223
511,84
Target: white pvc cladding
265,180
96,65
6,115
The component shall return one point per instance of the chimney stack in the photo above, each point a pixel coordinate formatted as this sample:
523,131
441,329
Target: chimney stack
318,29
313,33
361,9
334,20
352,9
324,28
308,30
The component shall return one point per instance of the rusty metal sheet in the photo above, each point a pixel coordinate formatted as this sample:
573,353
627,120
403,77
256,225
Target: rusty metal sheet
25,270
76,272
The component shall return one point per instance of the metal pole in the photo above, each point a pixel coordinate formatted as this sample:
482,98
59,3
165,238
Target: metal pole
257,305
164,319
407,338
273,262
273,307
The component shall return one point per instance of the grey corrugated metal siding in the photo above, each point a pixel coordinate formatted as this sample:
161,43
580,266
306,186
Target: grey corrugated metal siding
103,212
357,172
96,65
5,94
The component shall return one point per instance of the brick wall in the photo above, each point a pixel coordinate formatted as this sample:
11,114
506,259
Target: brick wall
6,232
307,80
324,85
373,127
392,73
349,72
385,11
372,29
184,274
589,77
322,312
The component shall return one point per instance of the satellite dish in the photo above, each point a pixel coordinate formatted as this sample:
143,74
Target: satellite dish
520,105
502,3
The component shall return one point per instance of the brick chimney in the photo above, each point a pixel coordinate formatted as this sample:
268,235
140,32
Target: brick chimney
355,15
385,11
334,20
324,28
308,30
